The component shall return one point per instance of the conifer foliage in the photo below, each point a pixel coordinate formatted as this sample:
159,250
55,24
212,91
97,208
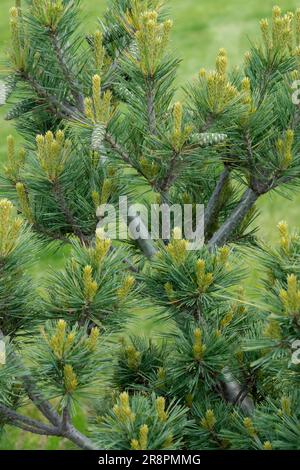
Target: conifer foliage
99,118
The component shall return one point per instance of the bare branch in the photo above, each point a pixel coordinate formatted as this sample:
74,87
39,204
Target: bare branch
223,234
65,418
61,425
234,393
42,405
25,423
214,202
79,439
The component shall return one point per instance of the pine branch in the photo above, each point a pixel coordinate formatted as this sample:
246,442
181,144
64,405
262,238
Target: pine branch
64,110
117,147
51,235
247,104
63,429
63,205
77,438
111,72
27,424
61,426
42,405
144,243
235,393
59,108
122,153
151,106
67,72
65,418
170,178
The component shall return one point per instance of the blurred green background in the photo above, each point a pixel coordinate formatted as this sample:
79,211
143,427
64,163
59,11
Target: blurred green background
201,27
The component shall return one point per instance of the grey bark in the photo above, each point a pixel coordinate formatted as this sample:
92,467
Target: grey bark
222,235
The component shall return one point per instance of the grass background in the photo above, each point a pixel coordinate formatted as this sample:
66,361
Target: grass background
201,27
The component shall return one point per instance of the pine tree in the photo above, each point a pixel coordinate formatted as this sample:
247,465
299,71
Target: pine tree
100,119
